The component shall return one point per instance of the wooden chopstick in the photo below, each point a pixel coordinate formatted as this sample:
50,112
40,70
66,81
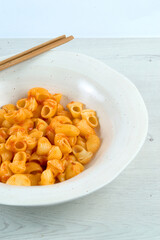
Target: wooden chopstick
35,51
32,49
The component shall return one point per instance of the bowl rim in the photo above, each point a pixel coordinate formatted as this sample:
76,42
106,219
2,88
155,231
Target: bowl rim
29,202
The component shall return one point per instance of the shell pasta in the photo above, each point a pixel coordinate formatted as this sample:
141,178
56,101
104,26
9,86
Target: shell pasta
44,143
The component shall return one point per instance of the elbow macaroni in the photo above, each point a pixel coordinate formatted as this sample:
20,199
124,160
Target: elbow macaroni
90,116
42,143
9,108
62,141
75,109
43,146
82,155
18,165
47,177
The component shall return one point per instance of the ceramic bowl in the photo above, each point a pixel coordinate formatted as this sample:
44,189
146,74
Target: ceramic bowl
120,108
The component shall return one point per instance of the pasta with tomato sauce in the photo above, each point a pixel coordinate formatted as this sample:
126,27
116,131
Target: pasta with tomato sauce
42,143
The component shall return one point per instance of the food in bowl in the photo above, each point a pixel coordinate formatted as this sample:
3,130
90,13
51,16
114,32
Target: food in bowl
41,143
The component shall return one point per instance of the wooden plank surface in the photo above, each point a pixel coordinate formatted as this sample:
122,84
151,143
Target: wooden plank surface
129,207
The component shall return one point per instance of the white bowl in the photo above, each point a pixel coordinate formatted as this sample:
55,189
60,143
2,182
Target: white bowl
120,108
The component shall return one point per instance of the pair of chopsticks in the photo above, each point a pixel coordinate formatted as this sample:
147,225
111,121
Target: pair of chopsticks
32,52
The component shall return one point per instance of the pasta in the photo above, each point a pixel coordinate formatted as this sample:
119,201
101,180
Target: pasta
37,112
33,167
90,116
6,124
30,103
5,171
54,153
64,113
3,134
18,165
67,129
62,141
40,125
61,177
81,141
60,108
9,108
16,144
19,180
57,97
93,143
43,146
73,169
42,143
31,142
49,108
50,134
36,134
34,178
14,129
47,177
40,94
42,160
81,154
75,109
5,154
56,166
28,124
72,140
85,129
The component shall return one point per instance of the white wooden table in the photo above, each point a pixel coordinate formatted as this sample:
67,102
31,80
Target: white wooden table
129,207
